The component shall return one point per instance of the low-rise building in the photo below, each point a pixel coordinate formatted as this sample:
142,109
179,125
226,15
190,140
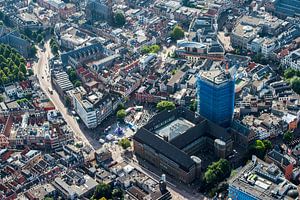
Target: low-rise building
62,83
259,180
245,31
95,107
284,162
292,60
195,51
75,185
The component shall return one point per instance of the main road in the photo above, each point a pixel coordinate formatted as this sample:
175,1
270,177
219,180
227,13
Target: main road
42,71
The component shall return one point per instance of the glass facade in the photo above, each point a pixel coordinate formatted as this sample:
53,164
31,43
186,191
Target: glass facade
216,101
236,194
288,7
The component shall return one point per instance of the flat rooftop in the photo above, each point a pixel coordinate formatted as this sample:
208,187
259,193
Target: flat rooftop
263,181
174,128
216,76
182,127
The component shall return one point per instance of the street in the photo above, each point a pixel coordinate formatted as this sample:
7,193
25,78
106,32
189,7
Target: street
225,40
42,71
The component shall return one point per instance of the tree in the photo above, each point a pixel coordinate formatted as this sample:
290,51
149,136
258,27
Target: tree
72,75
210,176
165,105
124,143
55,49
20,76
34,36
68,102
77,83
2,59
7,21
289,73
39,38
177,33
17,60
30,72
32,51
117,194
260,148
121,114
119,18
268,144
288,136
12,65
257,58
120,106
6,70
28,32
1,98
23,68
193,106
150,49
154,48
7,52
102,190
5,79
295,84
217,171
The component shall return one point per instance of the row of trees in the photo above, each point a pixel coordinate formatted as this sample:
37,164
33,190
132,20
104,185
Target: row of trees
54,47
73,77
260,148
104,191
75,80
121,114
217,172
124,143
36,36
288,136
161,106
12,65
165,105
150,49
177,33
119,18
260,58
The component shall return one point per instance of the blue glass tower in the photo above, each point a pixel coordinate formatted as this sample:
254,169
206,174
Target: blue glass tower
215,91
287,7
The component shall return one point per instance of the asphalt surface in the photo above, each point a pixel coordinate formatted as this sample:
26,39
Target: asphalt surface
42,71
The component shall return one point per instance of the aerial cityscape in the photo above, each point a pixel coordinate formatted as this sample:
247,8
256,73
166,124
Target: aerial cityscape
149,99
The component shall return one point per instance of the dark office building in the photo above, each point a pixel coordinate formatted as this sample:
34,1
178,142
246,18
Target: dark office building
177,143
